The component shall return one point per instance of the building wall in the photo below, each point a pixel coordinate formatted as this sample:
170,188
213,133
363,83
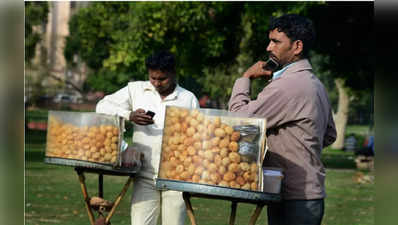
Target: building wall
50,51
57,30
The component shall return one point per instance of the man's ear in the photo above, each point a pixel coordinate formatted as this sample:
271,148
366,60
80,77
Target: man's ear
298,47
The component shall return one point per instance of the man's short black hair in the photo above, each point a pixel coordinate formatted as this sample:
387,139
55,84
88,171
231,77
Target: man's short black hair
161,60
296,28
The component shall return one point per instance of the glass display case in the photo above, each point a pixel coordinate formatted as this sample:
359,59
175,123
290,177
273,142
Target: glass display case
84,139
213,147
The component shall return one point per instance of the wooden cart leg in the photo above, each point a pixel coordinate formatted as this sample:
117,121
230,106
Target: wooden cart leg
233,213
256,213
86,197
118,199
186,196
101,185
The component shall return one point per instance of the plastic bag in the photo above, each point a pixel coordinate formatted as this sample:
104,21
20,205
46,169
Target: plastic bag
132,158
248,133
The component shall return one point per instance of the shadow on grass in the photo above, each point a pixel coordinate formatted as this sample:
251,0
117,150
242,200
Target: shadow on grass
34,156
338,159
35,136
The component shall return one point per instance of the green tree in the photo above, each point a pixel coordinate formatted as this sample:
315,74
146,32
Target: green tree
345,56
116,38
35,15
216,41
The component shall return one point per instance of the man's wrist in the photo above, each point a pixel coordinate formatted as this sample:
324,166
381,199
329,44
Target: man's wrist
246,75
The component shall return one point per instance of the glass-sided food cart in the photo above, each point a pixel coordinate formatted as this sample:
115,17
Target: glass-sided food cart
214,154
92,143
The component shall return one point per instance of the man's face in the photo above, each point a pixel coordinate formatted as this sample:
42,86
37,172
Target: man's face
281,48
162,81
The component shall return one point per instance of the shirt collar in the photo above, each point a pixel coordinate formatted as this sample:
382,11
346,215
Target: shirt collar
149,87
302,64
279,73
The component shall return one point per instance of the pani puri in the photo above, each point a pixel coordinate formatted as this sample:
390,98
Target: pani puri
209,155
224,152
240,180
233,146
199,170
222,170
212,167
244,166
179,168
234,184
191,150
219,132
197,145
253,167
217,121
205,175
223,183
226,161
196,178
191,131
229,176
233,167
223,143
214,177
218,160
215,141
193,123
246,186
185,175
234,157
235,136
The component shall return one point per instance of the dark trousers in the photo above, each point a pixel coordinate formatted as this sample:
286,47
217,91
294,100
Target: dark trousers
296,212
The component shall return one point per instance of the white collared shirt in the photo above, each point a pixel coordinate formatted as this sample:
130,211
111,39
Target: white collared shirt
279,73
146,139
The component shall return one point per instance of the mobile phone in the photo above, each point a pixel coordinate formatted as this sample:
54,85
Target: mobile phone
271,65
150,113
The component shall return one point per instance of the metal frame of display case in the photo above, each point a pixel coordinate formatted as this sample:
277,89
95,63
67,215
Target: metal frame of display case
82,167
220,193
80,172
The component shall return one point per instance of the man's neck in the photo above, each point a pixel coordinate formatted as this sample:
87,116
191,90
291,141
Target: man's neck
168,92
295,59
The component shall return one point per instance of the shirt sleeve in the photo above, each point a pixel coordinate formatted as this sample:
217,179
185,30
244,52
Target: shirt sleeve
331,133
195,102
117,103
271,103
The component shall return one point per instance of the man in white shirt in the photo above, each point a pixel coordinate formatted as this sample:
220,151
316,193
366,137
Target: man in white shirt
132,102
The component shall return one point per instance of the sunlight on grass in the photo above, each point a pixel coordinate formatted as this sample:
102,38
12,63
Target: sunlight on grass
53,194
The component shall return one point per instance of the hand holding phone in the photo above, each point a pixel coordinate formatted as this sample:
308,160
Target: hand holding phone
258,70
142,117
271,65
150,113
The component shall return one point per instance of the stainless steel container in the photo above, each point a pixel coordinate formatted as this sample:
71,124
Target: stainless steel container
272,180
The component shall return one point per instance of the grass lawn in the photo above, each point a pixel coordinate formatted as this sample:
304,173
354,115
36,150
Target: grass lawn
53,194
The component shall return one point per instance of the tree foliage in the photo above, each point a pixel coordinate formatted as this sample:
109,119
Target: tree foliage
213,41
116,38
345,35
35,15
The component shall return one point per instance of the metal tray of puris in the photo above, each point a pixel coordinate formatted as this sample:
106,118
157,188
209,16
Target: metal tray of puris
90,165
217,191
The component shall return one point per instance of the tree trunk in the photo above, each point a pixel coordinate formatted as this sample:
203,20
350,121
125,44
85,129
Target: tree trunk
341,117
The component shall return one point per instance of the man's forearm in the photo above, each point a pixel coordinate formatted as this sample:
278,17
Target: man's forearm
108,107
240,95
